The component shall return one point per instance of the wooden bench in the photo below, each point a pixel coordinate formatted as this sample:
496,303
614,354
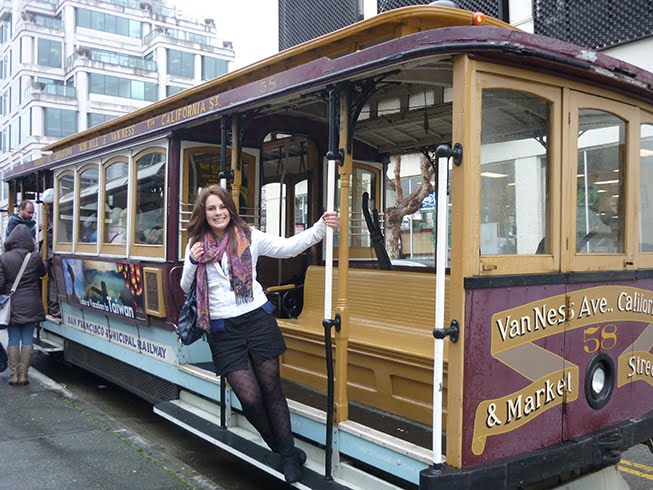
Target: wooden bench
390,356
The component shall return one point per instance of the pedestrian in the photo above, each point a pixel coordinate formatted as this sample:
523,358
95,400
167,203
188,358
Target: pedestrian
26,304
23,216
243,335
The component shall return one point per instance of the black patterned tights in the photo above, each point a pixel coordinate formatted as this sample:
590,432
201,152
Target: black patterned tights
259,390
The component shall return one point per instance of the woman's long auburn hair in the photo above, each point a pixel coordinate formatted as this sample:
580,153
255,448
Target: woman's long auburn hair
198,226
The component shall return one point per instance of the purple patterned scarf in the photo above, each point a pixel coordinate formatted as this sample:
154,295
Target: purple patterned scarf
240,272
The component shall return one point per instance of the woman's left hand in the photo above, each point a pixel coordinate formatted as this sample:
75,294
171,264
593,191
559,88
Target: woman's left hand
331,219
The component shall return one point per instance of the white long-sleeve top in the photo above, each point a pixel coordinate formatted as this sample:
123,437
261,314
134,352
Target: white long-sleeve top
222,299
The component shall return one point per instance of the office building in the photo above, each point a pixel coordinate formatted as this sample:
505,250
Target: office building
68,65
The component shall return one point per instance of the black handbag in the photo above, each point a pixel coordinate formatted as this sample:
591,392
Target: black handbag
186,327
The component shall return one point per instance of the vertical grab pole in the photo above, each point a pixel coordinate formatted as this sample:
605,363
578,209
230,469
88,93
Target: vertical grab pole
223,152
442,205
236,171
223,184
444,153
328,279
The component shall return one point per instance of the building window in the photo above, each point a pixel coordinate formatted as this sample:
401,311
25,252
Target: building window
4,67
5,30
59,122
14,95
213,67
181,63
4,103
26,125
5,139
47,21
49,53
57,87
14,134
172,90
94,119
113,58
122,87
100,21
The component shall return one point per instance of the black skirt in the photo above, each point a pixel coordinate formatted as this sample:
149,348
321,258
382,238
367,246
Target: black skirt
254,336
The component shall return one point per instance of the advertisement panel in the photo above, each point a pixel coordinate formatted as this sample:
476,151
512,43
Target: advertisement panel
113,288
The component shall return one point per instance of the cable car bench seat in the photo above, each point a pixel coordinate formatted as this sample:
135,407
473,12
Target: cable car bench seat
390,358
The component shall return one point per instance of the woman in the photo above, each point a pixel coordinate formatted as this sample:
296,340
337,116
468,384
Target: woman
244,337
26,304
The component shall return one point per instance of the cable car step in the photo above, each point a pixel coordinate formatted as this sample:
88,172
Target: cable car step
47,346
238,444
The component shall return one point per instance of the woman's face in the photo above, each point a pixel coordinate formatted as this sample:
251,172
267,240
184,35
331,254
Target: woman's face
217,215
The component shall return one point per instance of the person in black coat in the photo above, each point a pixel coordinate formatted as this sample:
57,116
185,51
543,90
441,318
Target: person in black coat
26,304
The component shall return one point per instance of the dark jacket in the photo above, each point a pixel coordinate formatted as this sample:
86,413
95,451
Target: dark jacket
15,220
26,303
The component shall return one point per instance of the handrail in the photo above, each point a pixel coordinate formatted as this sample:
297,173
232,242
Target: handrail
328,280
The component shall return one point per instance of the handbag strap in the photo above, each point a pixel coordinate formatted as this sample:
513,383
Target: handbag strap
20,274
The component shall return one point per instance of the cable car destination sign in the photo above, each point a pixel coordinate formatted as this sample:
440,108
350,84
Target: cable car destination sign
521,339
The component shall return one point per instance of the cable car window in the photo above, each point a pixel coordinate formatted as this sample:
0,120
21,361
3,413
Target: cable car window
66,193
515,187
88,199
302,218
362,179
646,188
203,171
150,199
600,182
115,203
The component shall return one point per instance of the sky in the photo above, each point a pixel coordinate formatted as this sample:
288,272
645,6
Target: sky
252,25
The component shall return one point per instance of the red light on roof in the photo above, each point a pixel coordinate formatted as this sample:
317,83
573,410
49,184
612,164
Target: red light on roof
478,19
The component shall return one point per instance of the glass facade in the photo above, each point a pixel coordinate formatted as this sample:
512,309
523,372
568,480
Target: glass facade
49,53
173,89
45,21
122,87
113,58
213,67
59,122
93,119
181,63
113,24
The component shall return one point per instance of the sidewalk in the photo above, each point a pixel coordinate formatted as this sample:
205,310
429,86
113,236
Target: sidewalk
51,439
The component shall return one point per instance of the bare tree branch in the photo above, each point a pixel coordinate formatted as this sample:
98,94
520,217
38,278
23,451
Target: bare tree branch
403,207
